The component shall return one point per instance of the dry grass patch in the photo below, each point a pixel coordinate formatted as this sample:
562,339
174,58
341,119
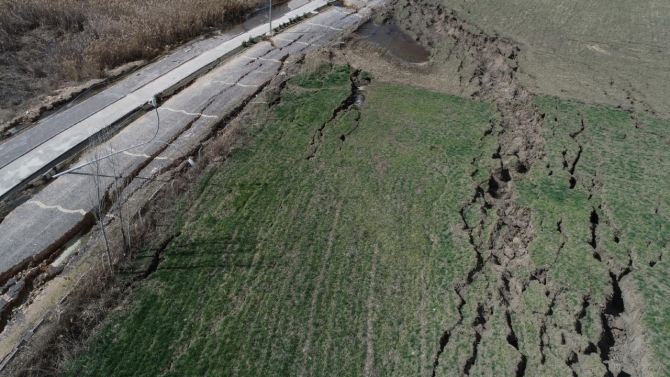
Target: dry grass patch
45,44
102,34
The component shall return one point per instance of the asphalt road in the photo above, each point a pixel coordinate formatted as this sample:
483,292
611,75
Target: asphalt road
52,216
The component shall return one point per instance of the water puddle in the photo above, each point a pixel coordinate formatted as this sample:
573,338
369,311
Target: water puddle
393,39
359,97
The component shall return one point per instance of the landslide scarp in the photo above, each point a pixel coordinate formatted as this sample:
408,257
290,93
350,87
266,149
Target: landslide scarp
549,327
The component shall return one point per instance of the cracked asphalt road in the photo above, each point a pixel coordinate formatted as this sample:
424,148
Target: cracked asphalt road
44,223
29,154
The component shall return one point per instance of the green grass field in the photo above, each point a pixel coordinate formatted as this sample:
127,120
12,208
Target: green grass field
314,253
521,228
619,164
335,243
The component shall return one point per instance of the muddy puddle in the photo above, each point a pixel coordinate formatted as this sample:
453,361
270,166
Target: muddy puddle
393,39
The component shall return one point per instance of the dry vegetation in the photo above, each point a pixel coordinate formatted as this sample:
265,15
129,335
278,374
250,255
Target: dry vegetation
102,34
44,43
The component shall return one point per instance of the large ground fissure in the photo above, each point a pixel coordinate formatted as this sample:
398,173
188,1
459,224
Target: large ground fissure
503,234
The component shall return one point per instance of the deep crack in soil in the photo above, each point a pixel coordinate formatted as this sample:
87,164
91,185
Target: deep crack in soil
346,105
505,254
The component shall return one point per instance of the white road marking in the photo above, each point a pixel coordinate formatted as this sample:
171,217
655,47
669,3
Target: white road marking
187,113
44,206
348,13
143,155
235,83
598,49
329,27
266,59
292,41
270,60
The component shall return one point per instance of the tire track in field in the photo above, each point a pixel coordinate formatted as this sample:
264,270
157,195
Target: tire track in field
315,296
370,306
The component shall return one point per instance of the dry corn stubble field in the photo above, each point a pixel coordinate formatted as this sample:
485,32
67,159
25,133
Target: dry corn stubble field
47,44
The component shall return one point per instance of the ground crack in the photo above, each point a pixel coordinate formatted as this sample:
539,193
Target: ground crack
479,323
576,133
594,219
505,254
344,106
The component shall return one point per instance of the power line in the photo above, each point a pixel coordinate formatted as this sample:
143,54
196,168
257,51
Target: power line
154,103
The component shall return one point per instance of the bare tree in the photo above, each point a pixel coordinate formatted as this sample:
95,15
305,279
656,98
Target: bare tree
97,193
117,197
107,181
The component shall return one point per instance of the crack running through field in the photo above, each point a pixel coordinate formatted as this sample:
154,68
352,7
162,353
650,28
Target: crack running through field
505,254
346,105
519,148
